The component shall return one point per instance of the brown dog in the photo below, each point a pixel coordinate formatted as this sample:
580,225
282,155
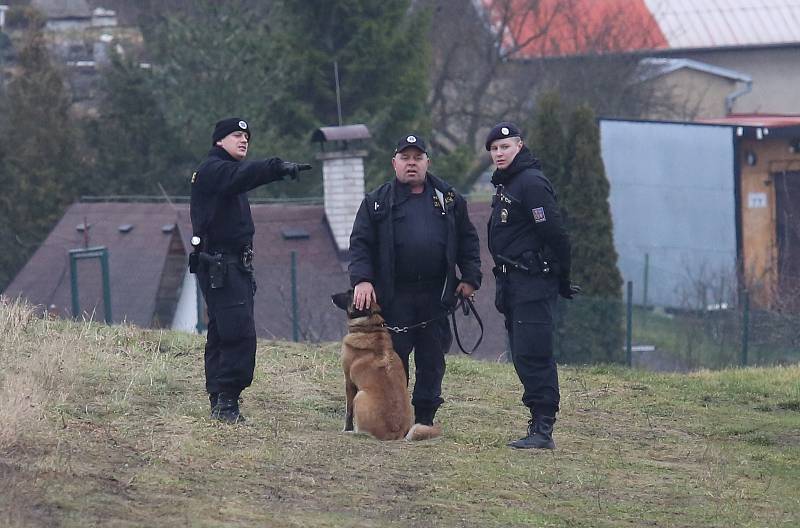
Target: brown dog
374,379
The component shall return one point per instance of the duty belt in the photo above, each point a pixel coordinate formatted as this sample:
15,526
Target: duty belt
507,265
243,256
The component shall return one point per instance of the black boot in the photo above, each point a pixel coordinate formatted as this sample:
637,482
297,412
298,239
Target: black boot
212,398
227,408
540,434
424,415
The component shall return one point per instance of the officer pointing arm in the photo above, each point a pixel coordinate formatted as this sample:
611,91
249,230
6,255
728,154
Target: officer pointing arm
223,230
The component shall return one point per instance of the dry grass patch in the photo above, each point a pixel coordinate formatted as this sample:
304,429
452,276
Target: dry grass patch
109,426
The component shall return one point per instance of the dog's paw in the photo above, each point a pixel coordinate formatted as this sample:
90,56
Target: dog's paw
424,432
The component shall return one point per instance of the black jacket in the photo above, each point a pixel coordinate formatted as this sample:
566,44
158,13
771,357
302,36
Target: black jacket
219,209
372,251
526,220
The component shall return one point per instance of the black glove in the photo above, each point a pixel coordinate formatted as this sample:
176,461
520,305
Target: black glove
568,290
292,170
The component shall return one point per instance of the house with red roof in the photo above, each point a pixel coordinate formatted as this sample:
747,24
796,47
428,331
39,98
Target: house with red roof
712,57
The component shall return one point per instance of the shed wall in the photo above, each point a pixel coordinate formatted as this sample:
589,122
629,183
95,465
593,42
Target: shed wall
758,202
673,198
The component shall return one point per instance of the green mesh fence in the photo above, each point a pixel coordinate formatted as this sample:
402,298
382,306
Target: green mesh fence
592,330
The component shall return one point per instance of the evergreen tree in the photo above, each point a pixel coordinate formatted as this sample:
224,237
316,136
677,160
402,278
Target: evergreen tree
455,167
213,61
216,60
379,46
40,175
273,64
592,327
547,139
137,147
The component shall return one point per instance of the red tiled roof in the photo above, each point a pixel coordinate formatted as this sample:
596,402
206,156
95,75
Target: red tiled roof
570,27
575,27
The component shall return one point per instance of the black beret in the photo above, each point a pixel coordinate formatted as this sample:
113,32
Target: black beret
226,126
502,130
411,140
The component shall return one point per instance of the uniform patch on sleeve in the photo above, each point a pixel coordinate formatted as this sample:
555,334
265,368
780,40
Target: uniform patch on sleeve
538,215
194,177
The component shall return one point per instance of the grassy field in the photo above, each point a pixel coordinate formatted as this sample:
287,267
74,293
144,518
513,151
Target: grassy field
108,426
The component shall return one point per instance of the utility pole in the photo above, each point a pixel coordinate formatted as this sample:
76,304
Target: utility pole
338,94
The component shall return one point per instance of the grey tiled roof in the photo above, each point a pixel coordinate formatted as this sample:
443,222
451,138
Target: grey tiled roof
138,258
136,261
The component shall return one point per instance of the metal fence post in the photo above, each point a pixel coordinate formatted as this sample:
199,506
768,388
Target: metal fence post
106,285
646,278
629,326
295,323
745,325
100,252
73,283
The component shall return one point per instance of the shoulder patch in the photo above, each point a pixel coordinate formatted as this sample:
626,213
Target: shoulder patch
538,215
194,176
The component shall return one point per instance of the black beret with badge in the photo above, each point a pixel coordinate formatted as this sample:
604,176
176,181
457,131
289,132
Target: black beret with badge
411,140
228,126
502,130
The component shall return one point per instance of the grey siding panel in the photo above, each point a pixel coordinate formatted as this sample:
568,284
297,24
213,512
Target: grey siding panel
672,197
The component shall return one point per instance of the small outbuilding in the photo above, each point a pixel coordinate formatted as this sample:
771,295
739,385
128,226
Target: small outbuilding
702,210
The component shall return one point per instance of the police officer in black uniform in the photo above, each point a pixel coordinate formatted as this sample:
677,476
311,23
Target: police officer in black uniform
408,237
531,251
222,259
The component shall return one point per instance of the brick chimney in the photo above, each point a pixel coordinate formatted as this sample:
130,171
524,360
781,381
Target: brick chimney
342,177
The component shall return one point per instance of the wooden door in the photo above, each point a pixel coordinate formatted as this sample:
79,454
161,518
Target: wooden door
787,203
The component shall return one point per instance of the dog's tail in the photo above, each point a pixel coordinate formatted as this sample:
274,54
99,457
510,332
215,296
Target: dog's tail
424,432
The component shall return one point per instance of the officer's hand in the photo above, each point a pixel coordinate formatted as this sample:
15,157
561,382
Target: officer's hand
465,290
292,170
363,295
568,290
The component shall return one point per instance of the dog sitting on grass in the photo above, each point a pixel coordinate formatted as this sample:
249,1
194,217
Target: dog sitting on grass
375,382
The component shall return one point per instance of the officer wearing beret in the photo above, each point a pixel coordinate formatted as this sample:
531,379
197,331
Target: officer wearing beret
408,237
222,258
531,251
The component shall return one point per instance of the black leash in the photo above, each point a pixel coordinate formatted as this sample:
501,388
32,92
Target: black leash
466,306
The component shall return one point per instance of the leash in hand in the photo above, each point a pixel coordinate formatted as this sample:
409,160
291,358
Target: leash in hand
466,305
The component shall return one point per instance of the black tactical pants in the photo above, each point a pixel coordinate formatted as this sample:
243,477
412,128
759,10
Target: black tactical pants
230,356
530,335
410,306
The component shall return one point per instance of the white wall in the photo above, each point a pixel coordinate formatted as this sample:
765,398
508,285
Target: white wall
343,185
186,312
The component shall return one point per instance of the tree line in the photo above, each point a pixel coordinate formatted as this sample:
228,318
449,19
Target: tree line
269,62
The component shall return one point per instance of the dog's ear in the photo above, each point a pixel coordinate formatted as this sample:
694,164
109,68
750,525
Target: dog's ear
343,300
